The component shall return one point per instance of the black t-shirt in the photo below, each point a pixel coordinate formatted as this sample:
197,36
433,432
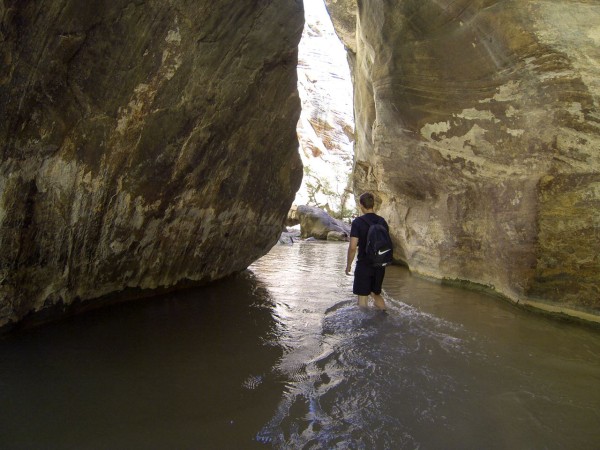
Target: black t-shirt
360,228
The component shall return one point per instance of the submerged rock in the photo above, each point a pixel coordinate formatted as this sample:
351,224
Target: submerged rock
338,236
478,128
288,237
143,144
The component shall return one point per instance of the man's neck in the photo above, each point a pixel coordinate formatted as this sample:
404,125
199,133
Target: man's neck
367,211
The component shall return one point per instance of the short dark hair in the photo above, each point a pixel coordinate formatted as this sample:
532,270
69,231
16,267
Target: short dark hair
367,200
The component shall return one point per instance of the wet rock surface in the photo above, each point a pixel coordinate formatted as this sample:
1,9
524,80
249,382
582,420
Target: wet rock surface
143,143
478,128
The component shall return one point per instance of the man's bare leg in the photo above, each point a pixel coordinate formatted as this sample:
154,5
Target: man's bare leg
363,301
379,301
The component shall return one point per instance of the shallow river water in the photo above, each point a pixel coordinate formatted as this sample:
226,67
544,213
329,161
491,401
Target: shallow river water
281,357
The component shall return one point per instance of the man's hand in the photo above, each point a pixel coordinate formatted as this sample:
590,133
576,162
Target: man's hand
352,247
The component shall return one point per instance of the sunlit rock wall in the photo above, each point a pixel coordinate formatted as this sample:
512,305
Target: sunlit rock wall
326,125
143,143
478,126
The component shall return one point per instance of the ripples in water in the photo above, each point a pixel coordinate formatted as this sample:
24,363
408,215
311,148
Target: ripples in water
281,356
350,386
412,378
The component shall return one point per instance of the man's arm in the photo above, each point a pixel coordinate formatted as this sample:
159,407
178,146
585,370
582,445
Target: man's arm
351,254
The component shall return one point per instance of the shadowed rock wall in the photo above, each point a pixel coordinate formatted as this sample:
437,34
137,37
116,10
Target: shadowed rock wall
478,126
143,143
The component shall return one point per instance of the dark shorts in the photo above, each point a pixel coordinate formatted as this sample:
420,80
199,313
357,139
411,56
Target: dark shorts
367,279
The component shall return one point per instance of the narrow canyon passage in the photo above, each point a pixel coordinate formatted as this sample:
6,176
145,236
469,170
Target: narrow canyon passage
280,357
326,126
147,145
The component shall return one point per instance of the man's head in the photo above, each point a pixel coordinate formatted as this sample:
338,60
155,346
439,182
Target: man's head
367,200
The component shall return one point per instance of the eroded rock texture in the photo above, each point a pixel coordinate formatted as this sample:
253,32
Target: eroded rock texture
143,143
478,126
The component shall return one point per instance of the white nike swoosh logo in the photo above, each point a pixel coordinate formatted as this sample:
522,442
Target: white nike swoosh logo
381,253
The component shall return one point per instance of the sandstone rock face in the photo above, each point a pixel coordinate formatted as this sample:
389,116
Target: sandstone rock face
478,127
316,223
343,15
143,143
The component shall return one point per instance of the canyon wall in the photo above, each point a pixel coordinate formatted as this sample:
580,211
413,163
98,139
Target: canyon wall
478,127
144,144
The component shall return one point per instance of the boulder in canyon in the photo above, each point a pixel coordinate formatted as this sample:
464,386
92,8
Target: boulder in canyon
316,223
144,144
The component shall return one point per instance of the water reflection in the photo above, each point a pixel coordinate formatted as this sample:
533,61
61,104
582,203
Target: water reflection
281,357
446,368
189,370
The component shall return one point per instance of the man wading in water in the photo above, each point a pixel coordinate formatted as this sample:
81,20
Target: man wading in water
367,279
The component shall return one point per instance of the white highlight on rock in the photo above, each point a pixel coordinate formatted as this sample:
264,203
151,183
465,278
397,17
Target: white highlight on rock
476,114
518,196
173,37
508,92
594,34
576,110
511,111
434,128
515,133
